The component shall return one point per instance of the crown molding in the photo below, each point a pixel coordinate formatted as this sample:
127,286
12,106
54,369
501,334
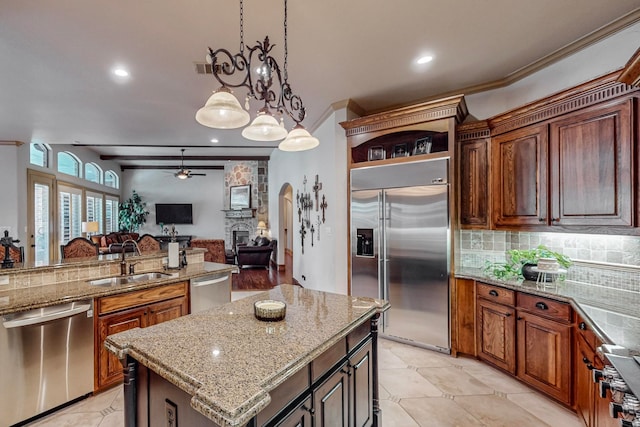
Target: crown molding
473,130
631,72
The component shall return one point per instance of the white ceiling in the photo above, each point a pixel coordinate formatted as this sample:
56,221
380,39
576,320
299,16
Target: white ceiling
56,84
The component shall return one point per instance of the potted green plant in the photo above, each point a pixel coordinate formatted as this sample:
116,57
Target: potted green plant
133,213
520,262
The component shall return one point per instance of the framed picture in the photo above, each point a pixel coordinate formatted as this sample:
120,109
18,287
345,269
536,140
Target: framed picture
240,197
377,153
400,150
422,146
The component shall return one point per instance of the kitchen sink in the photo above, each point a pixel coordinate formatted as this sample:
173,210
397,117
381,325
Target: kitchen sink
123,280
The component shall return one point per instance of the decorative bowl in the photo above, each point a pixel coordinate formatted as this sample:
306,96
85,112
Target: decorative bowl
269,310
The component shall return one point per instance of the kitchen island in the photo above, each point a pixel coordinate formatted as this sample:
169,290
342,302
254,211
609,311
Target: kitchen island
223,367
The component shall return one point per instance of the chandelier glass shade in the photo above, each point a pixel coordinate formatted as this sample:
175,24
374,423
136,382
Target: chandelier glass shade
222,111
299,139
264,128
255,70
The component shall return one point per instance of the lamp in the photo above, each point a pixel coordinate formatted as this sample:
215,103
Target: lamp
261,226
90,227
267,82
299,139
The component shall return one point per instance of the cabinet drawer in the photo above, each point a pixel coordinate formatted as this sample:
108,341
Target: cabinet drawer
328,359
544,307
284,394
496,294
136,298
356,336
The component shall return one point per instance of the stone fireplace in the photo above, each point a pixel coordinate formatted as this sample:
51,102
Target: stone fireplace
240,236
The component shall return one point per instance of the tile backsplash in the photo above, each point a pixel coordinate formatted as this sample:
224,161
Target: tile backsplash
610,261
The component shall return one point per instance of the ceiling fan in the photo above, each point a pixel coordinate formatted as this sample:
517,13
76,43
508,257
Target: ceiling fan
184,173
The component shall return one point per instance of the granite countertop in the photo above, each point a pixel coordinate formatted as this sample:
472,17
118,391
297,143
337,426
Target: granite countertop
22,299
613,314
228,361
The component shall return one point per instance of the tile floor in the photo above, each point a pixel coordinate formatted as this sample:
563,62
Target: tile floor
417,388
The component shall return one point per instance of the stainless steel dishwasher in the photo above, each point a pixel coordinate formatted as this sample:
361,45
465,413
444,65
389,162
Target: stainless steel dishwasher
210,291
46,359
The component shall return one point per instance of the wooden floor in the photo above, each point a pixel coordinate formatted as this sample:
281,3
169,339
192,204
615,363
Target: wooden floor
260,278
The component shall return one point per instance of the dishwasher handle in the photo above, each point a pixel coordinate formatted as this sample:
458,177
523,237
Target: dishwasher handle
210,282
8,324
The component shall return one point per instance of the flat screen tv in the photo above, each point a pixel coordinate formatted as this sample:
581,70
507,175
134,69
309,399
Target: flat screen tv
174,213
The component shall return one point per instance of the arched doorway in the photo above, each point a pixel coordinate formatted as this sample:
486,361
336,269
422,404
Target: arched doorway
285,233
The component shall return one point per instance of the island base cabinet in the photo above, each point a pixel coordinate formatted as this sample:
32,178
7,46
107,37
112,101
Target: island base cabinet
331,400
301,416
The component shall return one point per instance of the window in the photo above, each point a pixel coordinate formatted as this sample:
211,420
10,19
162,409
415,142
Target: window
93,173
69,213
39,154
94,208
68,163
111,179
111,214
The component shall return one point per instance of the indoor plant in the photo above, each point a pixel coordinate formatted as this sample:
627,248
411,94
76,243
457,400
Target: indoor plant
520,261
133,213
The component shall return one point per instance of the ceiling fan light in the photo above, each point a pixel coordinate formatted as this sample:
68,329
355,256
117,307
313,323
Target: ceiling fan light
264,128
299,139
222,111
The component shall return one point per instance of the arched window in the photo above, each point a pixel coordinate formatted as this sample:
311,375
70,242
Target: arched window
68,163
39,154
111,179
93,173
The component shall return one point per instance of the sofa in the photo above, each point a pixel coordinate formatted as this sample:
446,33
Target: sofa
256,253
112,243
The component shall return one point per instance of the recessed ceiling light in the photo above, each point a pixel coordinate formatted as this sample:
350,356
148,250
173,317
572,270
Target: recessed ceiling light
120,72
214,140
424,59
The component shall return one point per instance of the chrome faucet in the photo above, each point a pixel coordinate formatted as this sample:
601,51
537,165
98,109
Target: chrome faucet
123,262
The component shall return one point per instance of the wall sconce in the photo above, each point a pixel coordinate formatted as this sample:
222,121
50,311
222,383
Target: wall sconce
90,227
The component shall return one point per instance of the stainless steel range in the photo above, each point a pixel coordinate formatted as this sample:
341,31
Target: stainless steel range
620,382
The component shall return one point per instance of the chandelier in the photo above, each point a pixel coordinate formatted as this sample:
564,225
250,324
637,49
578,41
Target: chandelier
257,72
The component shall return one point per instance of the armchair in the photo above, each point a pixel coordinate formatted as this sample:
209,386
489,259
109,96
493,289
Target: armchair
258,253
147,243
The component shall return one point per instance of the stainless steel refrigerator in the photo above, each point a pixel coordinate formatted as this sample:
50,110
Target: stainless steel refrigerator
400,247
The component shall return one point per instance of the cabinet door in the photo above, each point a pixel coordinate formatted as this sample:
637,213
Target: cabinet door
496,335
464,317
299,417
362,387
109,368
585,391
474,184
167,310
591,175
519,177
331,400
544,355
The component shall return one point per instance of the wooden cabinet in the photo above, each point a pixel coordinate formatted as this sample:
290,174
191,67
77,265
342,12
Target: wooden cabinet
544,349
519,177
331,400
474,184
585,392
463,317
496,335
527,336
361,387
137,309
591,167
300,416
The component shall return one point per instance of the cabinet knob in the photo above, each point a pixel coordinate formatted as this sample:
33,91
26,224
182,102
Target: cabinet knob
555,219
519,318
310,410
507,314
493,293
582,326
542,219
346,371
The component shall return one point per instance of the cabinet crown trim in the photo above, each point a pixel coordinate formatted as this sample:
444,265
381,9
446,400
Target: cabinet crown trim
590,93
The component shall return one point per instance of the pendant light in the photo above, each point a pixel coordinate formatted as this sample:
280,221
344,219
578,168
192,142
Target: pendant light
264,127
222,111
299,139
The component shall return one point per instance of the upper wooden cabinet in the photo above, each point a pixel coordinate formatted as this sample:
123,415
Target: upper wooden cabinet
567,163
591,167
473,178
519,177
